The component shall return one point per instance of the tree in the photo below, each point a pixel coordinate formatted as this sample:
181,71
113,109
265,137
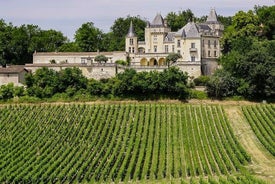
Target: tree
89,38
172,58
95,87
173,82
71,80
69,47
101,58
42,84
6,91
4,38
251,70
222,84
120,29
17,44
267,20
244,25
178,20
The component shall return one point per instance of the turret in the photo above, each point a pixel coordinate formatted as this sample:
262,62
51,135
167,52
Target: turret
213,23
131,40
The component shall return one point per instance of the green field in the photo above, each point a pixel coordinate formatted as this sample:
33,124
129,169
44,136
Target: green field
262,121
81,143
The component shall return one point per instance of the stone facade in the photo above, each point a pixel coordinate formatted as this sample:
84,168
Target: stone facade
13,74
197,43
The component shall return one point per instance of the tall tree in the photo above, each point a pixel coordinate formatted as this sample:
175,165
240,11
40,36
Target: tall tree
89,38
120,29
266,16
17,44
178,20
244,24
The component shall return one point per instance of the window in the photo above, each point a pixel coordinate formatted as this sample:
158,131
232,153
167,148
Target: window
193,58
178,51
192,45
209,54
215,53
178,43
155,48
166,48
209,43
173,48
129,50
133,49
215,43
131,41
83,61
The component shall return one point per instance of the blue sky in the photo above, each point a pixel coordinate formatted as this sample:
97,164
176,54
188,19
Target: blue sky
68,15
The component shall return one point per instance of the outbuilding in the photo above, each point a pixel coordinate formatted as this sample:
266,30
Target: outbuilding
13,74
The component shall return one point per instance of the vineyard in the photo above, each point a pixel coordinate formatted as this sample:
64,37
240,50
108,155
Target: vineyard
82,143
262,121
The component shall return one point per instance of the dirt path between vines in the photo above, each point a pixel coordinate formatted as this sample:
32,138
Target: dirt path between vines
263,163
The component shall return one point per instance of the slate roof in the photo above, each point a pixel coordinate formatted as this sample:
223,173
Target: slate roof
131,32
190,30
12,69
158,21
204,27
170,36
212,18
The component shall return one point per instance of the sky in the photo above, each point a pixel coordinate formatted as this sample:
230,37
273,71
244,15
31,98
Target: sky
68,15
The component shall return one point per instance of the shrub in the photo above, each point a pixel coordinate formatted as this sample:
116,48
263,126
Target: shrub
201,80
201,95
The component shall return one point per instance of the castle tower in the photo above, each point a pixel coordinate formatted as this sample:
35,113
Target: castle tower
155,33
213,22
131,41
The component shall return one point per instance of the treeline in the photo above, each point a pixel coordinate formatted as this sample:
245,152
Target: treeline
18,43
248,60
70,84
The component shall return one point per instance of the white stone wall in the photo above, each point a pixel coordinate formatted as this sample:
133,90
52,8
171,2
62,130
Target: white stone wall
193,70
75,57
206,48
9,78
187,51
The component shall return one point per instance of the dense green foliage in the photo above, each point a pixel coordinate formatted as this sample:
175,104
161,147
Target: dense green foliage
101,58
261,119
170,83
69,82
178,20
248,63
201,80
47,82
17,44
112,143
10,91
172,58
89,38
120,29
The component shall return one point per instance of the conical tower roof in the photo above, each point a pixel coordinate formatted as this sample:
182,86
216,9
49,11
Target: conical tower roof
212,18
131,32
158,21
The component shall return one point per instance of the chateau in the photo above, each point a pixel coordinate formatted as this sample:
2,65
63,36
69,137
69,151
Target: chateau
197,43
